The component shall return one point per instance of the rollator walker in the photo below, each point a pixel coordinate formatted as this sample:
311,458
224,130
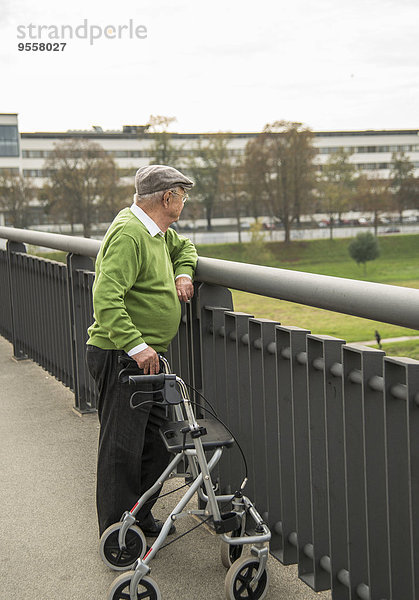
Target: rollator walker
123,545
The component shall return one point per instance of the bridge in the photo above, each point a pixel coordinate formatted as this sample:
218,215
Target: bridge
330,430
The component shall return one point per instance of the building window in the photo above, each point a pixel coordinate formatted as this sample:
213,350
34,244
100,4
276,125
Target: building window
36,173
373,166
35,153
9,171
9,140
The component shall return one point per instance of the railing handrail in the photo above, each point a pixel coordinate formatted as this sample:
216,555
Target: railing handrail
380,302
57,241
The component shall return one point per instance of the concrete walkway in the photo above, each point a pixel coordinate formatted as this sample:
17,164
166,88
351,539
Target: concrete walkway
48,534
393,340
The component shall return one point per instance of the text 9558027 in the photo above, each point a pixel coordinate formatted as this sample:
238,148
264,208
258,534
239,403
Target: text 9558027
41,46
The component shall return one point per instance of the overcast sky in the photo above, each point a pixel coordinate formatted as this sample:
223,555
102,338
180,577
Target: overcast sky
231,65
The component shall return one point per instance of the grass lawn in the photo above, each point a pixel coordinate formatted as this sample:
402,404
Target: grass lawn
398,264
410,348
399,258
317,320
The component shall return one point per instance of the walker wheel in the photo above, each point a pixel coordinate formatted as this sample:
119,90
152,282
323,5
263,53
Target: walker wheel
238,580
230,552
147,588
113,556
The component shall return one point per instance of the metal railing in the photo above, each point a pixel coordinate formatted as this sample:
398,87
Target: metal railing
330,430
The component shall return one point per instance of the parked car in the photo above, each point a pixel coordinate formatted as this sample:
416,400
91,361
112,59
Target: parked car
272,226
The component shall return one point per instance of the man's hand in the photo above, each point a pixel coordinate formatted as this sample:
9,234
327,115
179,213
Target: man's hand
148,361
184,288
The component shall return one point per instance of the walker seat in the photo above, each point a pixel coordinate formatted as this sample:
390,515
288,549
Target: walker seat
177,435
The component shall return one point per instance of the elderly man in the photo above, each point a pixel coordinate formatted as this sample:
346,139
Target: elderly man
143,270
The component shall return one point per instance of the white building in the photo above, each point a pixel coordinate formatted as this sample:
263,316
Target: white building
131,146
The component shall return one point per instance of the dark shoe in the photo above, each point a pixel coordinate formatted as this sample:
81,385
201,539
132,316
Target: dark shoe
155,529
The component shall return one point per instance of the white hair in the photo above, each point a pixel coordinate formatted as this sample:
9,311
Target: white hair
154,197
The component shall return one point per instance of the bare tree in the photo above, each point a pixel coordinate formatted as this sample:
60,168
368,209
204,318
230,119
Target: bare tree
373,195
208,169
284,170
82,178
163,150
234,190
254,169
16,192
404,184
337,185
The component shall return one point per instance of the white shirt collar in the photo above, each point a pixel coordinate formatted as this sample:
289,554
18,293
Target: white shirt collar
151,226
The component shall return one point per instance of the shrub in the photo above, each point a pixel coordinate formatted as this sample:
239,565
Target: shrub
363,248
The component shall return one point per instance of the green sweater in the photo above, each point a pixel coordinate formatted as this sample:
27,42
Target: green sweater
134,293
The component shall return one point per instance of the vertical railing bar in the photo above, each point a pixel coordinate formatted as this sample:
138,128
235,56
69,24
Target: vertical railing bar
78,334
265,420
82,379
23,306
398,483
221,401
287,527
355,453
235,325
13,248
53,331
45,288
31,318
48,321
60,314
336,488
300,416
318,457
85,320
66,326
60,321
40,295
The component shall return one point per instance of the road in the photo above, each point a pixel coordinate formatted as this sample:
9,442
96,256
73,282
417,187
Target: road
226,237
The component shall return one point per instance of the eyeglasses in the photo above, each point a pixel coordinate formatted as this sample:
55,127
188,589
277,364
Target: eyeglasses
185,197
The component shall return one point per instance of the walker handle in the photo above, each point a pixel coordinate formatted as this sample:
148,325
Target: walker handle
159,379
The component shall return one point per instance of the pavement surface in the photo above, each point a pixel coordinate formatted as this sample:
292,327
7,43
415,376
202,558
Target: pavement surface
48,531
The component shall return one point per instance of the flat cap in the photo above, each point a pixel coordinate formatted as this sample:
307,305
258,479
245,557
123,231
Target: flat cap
156,178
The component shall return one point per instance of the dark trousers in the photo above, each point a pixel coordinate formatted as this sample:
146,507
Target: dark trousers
131,453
